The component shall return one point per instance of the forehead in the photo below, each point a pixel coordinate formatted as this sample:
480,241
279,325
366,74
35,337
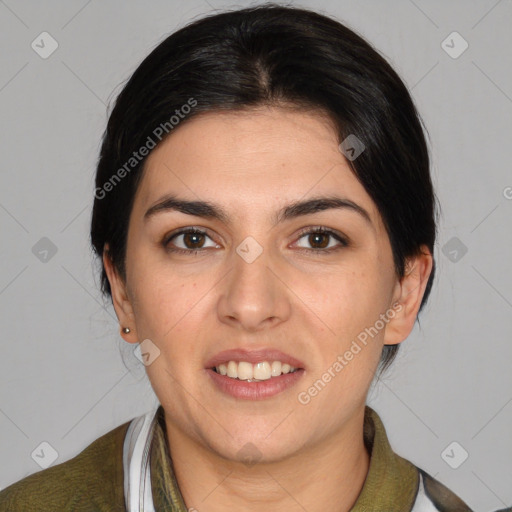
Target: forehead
252,157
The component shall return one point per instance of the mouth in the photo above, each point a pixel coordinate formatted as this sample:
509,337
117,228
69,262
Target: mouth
254,375
244,370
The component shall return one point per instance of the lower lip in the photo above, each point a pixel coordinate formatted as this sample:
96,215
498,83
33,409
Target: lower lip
255,390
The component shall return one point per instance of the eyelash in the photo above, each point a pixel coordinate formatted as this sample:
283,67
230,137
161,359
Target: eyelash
306,231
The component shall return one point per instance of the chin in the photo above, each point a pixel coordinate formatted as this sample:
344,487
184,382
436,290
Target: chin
256,447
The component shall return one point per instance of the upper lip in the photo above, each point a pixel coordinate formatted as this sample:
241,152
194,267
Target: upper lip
253,356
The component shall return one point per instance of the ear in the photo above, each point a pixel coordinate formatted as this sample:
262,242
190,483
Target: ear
120,299
408,294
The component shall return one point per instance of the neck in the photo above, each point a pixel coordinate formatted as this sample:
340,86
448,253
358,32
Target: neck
332,471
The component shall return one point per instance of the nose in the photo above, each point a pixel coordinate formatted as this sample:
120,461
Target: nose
253,297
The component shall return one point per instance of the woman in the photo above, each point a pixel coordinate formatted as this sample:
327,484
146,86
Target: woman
265,218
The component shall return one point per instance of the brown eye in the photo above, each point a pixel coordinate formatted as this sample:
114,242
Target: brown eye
322,240
318,240
193,240
189,240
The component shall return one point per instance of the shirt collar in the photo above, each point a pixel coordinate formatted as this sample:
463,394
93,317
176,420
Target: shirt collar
391,483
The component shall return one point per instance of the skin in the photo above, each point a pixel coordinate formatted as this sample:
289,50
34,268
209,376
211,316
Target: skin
305,303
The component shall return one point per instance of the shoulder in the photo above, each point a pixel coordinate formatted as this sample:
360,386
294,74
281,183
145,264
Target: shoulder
93,477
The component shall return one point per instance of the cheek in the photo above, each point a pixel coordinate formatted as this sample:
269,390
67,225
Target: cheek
162,298
346,308
346,300
171,312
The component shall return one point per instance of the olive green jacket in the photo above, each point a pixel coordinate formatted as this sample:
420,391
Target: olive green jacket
93,481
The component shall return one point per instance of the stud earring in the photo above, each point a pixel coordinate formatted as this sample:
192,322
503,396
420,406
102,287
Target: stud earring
126,330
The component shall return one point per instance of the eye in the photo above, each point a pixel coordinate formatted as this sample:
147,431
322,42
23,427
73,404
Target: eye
322,239
189,240
193,240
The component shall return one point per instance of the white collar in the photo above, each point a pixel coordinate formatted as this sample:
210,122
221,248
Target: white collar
136,457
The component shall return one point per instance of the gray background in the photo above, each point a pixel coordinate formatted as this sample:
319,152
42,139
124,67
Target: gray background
66,375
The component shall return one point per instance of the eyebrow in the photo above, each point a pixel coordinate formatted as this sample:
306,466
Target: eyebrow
293,210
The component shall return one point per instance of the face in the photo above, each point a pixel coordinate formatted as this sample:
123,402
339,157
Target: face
257,284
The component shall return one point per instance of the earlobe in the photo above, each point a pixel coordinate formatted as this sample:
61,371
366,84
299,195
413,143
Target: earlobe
411,289
120,299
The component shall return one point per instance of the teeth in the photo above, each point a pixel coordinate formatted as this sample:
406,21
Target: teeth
245,371
254,372
276,368
262,371
232,370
